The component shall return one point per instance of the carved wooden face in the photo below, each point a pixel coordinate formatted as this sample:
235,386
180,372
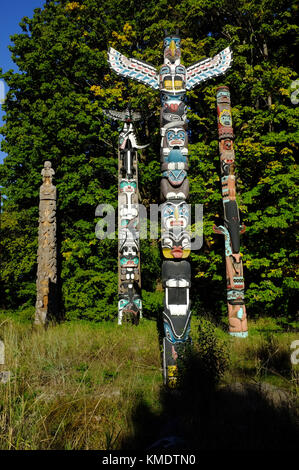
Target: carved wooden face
225,118
128,186
175,214
172,49
173,102
129,247
130,303
172,78
226,145
175,177
173,107
223,96
176,245
129,261
227,167
176,137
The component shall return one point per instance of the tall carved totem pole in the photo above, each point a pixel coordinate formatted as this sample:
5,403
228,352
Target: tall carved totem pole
231,228
47,250
129,275
173,81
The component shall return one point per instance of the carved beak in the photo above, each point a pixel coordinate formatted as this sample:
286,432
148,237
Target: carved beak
172,48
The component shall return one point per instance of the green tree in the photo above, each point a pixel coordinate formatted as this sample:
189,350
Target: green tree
53,112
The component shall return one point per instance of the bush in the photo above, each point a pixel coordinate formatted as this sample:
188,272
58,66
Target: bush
204,363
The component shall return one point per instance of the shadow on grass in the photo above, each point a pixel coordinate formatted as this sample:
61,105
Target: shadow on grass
202,415
240,418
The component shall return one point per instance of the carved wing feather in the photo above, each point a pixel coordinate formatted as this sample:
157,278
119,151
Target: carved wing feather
133,68
115,115
135,116
127,115
209,68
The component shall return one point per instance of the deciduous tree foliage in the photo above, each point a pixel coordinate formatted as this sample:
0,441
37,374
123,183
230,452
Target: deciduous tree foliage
53,112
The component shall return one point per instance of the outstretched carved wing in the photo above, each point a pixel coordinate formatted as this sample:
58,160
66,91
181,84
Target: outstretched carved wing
127,115
209,68
133,68
135,116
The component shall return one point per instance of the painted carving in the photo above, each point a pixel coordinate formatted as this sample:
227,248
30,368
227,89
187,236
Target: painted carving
232,227
173,80
129,275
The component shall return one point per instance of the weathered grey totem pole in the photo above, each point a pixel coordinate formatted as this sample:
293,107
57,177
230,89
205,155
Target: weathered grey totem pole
173,80
47,250
129,275
231,228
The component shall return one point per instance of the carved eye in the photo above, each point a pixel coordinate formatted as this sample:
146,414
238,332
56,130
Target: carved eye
167,331
170,135
185,243
165,69
181,135
168,211
180,70
167,242
183,210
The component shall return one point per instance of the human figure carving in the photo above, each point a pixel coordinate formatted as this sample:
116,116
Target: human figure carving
47,248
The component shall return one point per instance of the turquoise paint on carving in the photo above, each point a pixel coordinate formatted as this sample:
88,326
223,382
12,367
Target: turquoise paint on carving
240,313
239,334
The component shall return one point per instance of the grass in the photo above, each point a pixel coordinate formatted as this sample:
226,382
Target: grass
81,385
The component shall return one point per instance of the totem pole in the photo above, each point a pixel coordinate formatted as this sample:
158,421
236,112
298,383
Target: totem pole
231,228
129,275
173,80
47,250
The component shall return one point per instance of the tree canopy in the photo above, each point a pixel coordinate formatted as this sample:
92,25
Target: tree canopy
53,112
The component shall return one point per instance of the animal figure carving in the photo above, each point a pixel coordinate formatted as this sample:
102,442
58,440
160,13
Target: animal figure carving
129,273
173,80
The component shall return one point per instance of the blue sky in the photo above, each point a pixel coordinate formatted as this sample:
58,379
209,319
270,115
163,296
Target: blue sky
12,11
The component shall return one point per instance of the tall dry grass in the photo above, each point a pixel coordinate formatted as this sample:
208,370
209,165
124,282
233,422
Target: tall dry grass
73,385
80,385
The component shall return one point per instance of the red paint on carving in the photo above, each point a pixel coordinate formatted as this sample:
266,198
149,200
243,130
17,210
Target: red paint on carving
177,252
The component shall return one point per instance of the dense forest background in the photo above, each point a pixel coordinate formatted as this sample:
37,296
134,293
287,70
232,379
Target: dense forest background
53,112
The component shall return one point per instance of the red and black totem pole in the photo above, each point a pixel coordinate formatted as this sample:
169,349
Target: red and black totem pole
231,228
